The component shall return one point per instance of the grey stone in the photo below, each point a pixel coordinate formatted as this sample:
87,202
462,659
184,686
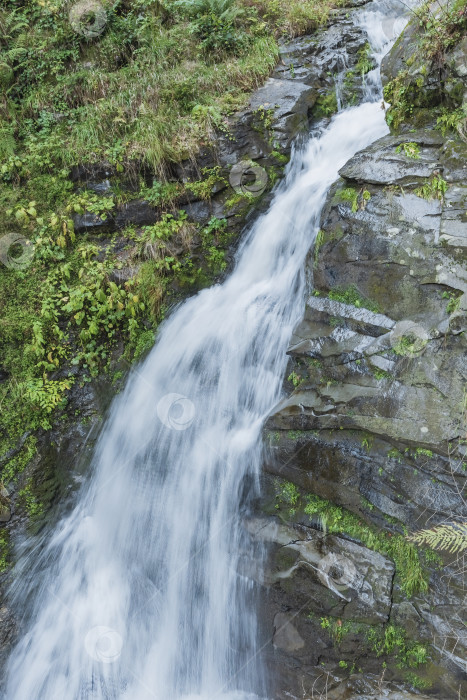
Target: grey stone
286,635
380,164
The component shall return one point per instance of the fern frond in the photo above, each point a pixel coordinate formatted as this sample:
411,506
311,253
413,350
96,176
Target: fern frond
450,538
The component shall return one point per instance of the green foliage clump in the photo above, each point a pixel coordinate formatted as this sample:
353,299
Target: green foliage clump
287,494
440,28
453,120
357,200
403,94
417,682
336,628
365,61
443,26
435,188
408,345
319,240
380,374
4,549
326,105
393,642
352,296
28,500
294,378
454,301
203,188
411,150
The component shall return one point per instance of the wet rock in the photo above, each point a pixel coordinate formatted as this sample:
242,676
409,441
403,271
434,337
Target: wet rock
7,632
92,222
101,188
92,172
453,230
400,56
312,62
286,636
381,164
329,574
289,102
138,212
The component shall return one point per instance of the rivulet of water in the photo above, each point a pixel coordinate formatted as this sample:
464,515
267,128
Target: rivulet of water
140,593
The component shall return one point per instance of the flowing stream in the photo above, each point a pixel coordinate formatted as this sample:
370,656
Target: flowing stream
142,592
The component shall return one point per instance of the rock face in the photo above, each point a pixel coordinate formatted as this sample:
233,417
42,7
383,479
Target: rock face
374,425
427,82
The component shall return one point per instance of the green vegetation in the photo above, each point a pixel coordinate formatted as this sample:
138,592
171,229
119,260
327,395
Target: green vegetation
4,549
393,642
421,451
319,240
441,26
453,120
336,628
451,537
365,61
411,150
389,641
352,296
147,90
326,105
409,570
409,345
294,378
402,93
380,374
287,494
454,301
435,188
294,434
417,682
357,200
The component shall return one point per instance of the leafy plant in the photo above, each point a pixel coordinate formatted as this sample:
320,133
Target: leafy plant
365,61
453,120
319,240
294,378
337,629
450,537
411,150
357,200
352,296
287,494
435,188
454,301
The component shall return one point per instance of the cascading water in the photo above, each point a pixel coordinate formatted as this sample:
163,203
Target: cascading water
140,593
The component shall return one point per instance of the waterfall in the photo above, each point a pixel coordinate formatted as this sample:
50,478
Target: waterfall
143,591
